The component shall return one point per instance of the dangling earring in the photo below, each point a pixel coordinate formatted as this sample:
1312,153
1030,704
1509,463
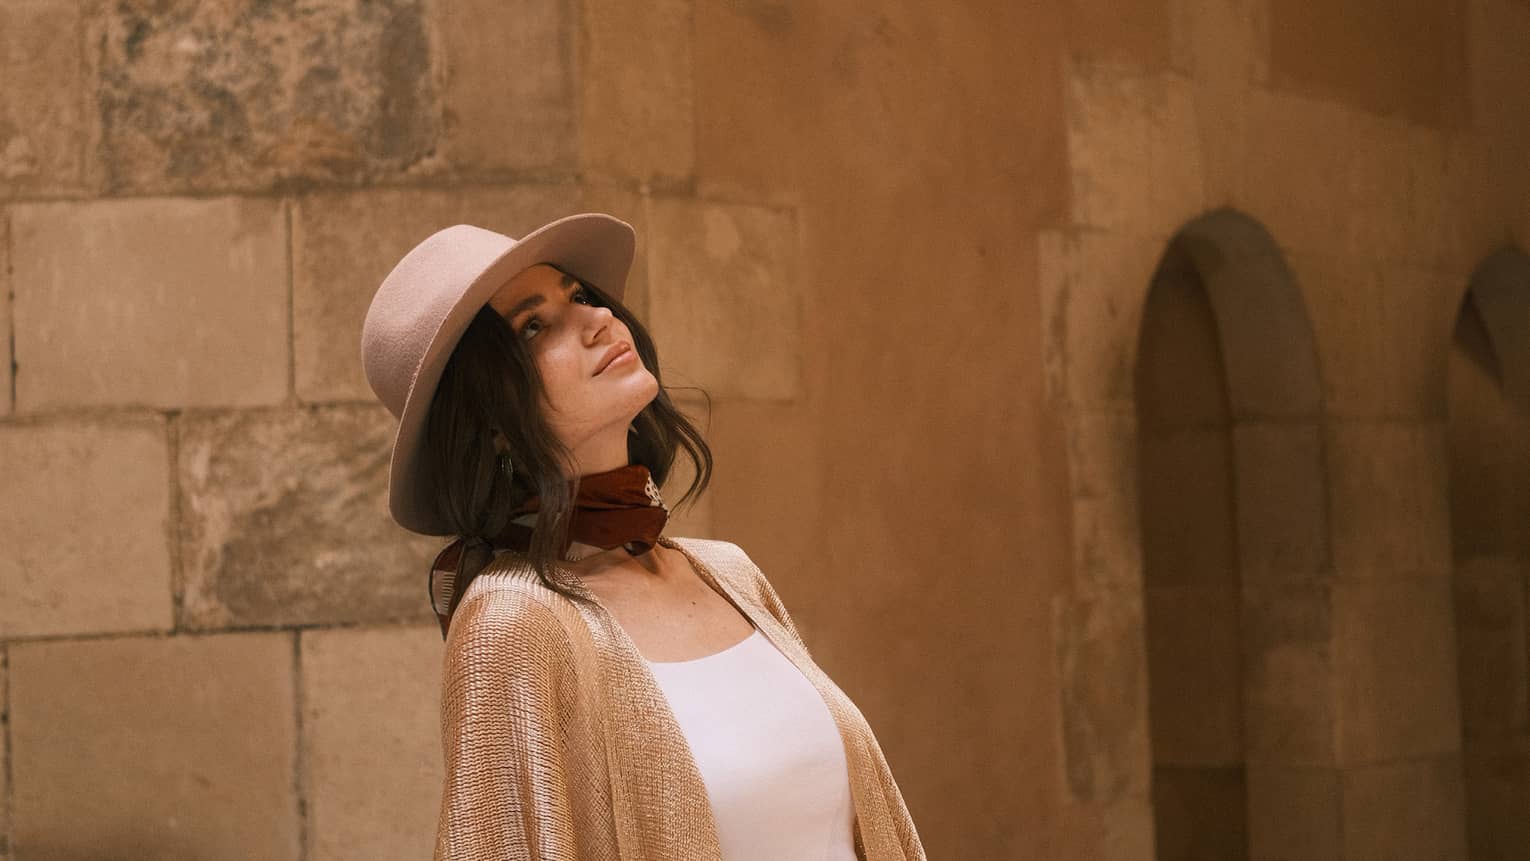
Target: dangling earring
506,465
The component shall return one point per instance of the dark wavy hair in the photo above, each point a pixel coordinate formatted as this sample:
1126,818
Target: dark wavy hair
491,383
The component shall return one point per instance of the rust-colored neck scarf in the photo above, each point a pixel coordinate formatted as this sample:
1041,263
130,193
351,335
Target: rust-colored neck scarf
618,507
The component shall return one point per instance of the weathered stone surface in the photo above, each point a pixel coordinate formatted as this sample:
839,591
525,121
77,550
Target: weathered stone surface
1200,812
1093,286
1107,524
1381,338
1294,813
284,521
84,523
1282,529
1498,33
1410,61
725,298
219,96
1134,151
1195,675
1135,34
345,244
6,404
1410,809
1288,674
1224,43
636,99
1491,628
509,86
1101,664
372,766
1394,655
1295,189
42,118
5,757
1389,499
1395,190
178,747
158,302
1497,784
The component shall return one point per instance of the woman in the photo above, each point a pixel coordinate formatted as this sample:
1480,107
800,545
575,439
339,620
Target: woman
608,692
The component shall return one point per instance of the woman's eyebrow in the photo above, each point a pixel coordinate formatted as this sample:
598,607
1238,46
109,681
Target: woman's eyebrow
536,299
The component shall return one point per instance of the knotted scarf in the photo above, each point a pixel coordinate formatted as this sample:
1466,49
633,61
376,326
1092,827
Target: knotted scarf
618,507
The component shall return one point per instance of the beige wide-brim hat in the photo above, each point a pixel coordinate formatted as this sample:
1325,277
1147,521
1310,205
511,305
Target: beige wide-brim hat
426,303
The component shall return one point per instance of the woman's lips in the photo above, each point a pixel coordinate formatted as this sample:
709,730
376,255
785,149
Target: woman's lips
616,354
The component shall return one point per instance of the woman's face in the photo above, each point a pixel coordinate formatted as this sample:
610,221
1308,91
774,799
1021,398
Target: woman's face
590,403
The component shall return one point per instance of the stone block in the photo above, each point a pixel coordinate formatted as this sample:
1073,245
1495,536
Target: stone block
749,69
1491,633
214,97
44,128
1294,813
1222,122
1409,809
1200,812
725,298
1099,649
284,521
1195,676
1093,286
1135,35
5,759
636,97
1288,667
345,243
1498,33
1107,523
1125,829
85,523
1410,61
1187,508
1389,499
1134,151
508,93
6,404
166,303
1394,189
371,737
1497,784
1282,519
1296,189
1394,654
1224,43
147,747
1382,336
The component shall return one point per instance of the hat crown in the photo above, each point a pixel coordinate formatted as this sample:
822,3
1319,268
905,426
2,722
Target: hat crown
415,299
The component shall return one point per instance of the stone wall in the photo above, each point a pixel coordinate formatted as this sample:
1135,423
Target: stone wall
906,248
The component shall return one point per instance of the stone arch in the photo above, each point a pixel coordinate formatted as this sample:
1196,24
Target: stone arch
1488,423
1229,406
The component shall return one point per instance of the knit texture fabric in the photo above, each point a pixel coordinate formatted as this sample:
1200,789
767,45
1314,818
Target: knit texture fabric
559,743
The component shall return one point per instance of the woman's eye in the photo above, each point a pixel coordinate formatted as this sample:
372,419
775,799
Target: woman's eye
583,291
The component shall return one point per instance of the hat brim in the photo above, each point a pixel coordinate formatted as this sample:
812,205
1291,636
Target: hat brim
593,247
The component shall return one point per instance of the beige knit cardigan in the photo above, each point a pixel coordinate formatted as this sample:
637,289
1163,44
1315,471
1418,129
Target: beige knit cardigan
559,744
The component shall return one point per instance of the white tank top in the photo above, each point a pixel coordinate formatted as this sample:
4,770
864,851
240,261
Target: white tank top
768,751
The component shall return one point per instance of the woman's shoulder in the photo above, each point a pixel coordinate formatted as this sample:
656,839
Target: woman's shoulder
513,608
